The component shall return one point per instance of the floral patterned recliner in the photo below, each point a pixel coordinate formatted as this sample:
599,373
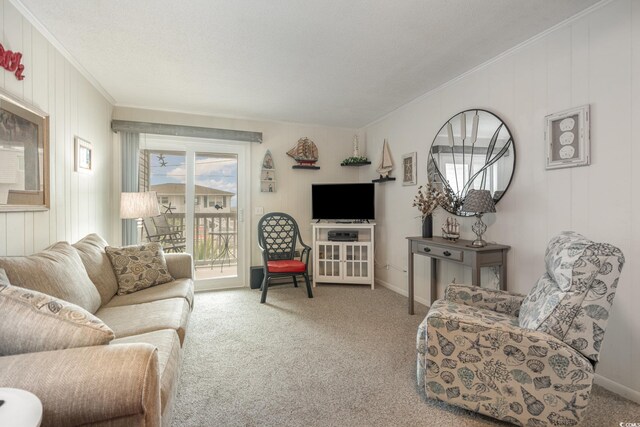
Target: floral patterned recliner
526,360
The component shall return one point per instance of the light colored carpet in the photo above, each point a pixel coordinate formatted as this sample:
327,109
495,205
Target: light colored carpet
343,358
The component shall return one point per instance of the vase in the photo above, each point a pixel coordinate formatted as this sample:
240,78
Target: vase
427,226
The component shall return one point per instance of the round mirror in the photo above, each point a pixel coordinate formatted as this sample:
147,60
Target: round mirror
474,150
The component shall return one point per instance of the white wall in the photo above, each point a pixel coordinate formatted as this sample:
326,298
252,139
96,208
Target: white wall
293,193
80,204
593,59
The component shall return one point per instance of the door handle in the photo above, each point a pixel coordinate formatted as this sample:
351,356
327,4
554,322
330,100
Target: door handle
446,253
427,249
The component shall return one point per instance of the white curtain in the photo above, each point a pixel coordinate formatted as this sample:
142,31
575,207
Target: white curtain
130,145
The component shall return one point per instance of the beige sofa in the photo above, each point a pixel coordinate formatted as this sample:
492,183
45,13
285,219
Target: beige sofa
133,380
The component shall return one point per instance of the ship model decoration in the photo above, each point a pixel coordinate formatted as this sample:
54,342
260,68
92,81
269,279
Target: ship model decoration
268,174
305,153
386,165
451,229
356,159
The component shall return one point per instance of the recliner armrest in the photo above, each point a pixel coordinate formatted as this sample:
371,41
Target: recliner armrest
490,299
480,360
106,384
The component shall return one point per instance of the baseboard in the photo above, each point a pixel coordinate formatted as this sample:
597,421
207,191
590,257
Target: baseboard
401,291
617,388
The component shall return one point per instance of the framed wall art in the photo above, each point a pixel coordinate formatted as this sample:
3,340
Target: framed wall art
83,156
567,138
24,156
409,169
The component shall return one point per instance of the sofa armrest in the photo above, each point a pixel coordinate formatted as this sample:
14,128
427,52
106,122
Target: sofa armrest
490,299
180,265
109,384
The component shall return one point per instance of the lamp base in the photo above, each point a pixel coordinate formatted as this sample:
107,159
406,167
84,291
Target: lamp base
478,243
478,228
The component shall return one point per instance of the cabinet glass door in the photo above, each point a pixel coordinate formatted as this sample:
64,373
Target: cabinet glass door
329,260
356,259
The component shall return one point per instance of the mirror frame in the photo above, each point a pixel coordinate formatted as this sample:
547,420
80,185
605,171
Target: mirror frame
40,120
432,167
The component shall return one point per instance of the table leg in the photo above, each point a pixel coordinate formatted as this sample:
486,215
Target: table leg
434,281
410,279
503,272
475,271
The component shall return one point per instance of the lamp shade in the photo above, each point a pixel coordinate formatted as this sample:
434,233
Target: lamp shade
139,205
478,201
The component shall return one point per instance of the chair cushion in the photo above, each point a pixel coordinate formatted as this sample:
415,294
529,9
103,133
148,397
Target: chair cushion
286,266
139,266
33,321
572,300
92,252
57,271
541,301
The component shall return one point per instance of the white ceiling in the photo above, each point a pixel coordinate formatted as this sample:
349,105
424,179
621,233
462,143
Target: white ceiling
330,62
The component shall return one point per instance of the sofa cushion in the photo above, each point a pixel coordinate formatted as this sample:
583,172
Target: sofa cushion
572,300
57,271
139,266
33,321
168,344
179,288
138,319
92,252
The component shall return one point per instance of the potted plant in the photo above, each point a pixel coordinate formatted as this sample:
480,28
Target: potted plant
427,200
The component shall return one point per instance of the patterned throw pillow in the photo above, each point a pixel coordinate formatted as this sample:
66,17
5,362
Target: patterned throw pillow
138,267
31,321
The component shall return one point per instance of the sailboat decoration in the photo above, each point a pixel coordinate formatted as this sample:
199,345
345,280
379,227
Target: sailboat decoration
305,153
386,165
268,174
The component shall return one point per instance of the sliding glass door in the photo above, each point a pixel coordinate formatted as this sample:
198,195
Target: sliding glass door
202,194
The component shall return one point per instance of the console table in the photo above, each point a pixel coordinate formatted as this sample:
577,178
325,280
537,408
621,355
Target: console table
438,248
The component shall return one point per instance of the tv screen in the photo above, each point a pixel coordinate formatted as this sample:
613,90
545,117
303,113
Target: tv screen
343,201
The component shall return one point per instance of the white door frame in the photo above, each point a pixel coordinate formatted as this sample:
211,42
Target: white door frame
191,146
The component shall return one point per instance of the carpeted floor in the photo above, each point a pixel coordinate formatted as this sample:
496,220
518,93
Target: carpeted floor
343,358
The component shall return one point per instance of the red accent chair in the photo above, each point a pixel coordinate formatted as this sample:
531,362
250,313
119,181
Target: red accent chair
278,235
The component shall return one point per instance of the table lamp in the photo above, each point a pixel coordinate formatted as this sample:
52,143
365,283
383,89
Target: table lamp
138,206
478,202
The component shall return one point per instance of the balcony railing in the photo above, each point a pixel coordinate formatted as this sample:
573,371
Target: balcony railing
215,237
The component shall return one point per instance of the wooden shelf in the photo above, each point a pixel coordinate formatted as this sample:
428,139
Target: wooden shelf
305,167
357,164
389,178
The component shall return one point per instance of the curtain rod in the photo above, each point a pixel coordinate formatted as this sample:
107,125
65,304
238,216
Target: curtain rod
189,131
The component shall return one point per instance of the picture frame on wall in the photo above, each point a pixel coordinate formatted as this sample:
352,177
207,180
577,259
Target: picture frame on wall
83,156
567,138
409,168
24,156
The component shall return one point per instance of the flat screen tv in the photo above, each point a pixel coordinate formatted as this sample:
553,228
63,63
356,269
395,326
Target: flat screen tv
347,202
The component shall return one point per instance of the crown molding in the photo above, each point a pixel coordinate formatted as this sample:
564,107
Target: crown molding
51,39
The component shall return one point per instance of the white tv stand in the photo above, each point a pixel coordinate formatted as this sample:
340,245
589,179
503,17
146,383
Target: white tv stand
343,262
